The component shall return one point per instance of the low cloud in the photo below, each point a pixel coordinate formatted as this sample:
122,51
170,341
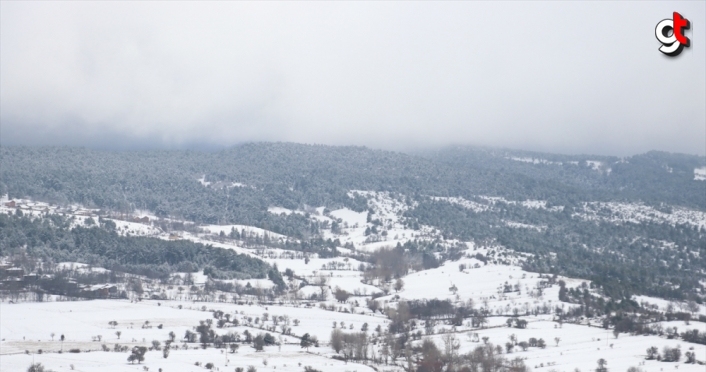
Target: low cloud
567,77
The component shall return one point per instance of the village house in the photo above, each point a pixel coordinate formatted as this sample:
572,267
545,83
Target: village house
100,291
144,219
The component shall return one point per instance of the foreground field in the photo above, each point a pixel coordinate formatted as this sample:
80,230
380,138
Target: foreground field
28,327
291,358
400,299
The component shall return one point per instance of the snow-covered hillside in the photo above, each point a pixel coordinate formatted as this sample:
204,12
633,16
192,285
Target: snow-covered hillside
482,280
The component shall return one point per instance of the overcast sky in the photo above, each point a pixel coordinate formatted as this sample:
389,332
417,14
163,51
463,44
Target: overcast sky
569,77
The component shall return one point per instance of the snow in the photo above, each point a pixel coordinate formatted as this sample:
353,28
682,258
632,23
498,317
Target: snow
594,164
226,229
533,160
534,204
80,267
286,360
579,347
255,283
28,326
471,205
350,217
280,210
637,213
224,245
493,200
316,214
484,285
663,304
519,225
238,184
134,228
38,209
700,174
198,278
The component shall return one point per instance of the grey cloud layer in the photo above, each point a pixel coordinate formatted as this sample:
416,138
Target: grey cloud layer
565,77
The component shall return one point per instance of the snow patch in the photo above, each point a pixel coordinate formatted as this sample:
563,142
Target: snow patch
350,216
700,174
203,181
534,160
468,204
226,229
518,225
80,267
636,213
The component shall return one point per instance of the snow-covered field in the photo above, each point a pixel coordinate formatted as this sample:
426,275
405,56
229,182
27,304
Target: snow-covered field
580,347
226,229
291,358
479,283
502,290
29,327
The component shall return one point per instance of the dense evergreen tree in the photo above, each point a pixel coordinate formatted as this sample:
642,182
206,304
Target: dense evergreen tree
51,239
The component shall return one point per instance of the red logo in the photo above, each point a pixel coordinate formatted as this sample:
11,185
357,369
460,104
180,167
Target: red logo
670,32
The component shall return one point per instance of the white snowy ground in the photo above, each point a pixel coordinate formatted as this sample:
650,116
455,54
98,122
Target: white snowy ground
581,346
483,284
663,304
388,211
79,267
226,229
636,213
134,228
290,358
29,326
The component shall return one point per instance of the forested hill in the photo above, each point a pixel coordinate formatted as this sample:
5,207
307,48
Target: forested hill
654,177
244,180
53,239
627,248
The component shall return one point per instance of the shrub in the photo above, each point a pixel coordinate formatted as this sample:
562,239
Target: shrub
671,354
38,367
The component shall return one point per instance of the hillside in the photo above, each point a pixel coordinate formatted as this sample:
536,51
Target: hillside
284,257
